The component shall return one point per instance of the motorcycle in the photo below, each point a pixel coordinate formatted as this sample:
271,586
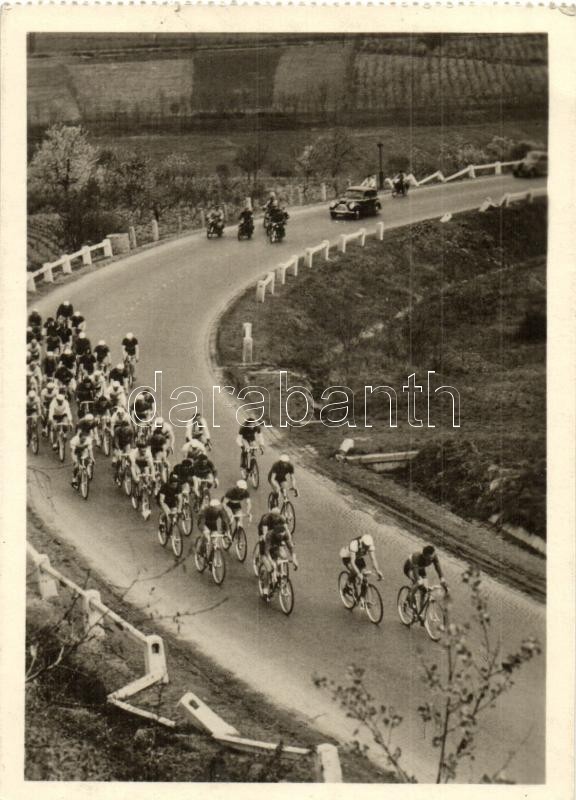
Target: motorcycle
400,189
276,232
214,228
245,230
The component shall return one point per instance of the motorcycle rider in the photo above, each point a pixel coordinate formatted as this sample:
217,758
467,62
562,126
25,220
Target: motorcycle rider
247,220
215,217
400,184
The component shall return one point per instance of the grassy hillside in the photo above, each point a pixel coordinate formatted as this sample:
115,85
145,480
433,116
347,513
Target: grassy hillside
159,83
467,300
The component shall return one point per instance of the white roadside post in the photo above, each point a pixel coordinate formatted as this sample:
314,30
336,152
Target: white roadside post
323,191
107,244
48,274
327,764
92,615
380,231
247,343
86,256
155,231
66,265
31,284
47,585
132,236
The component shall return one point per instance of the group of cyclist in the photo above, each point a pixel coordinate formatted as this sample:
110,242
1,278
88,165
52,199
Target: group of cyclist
63,366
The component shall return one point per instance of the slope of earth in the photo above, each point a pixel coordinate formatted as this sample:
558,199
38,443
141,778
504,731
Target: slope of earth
72,733
467,300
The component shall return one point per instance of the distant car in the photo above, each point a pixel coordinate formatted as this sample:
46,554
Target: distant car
533,165
358,201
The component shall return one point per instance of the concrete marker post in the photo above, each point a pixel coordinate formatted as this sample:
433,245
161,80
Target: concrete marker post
48,274
66,265
47,585
380,231
327,764
86,256
132,237
31,284
107,244
155,231
155,657
92,616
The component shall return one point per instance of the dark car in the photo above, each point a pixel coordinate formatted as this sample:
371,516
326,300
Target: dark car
533,165
358,201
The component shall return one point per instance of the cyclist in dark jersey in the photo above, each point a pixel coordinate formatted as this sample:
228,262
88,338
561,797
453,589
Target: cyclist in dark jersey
234,498
212,520
276,542
268,521
123,439
185,472
64,312
169,495
250,433
280,473
204,470
415,569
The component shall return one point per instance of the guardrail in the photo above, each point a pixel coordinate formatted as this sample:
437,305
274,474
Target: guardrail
94,614
323,247
64,263
469,171
352,237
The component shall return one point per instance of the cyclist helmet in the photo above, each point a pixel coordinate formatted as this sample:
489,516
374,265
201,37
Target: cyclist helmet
86,380
241,484
428,551
159,422
31,394
215,502
173,478
82,335
88,418
285,458
119,366
101,343
50,385
129,335
196,444
275,510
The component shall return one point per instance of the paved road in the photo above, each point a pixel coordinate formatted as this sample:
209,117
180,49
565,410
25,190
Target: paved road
169,297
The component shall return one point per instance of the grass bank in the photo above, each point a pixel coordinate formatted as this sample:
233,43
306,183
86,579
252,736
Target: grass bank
466,299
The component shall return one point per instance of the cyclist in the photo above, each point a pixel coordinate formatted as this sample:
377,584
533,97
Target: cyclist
185,472
157,443
250,433
123,439
33,405
415,569
49,365
204,472
101,408
99,384
276,540
65,378
142,410
81,447
82,345
86,364
212,520
117,396
280,473
53,342
77,323
34,318
131,348
197,428
67,358
169,496
102,353
48,393
267,522
34,351
64,333
64,312
141,463
118,374
234,498
163,427
354,559
59,412
85,396
193,449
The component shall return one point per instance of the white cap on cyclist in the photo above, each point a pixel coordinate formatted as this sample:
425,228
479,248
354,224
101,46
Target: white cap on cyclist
241,484
88,418
129,335
215,502
159,422
275,509
119,366
32,394
82,335
284,457
101,343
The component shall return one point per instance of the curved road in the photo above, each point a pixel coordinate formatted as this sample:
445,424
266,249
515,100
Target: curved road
169,296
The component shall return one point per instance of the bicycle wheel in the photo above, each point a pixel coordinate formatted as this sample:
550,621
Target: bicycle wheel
434,620
84,484
90,469
348,597
226,536
373,604
290,516
241,544
286,595
199,557
185,520
162,530
256,559
35,440
106,442
405,611
61,448
134,498
262,580
145,504
254,474
218,567
176,540
127,482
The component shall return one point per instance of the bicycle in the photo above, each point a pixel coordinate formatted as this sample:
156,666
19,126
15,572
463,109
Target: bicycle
201,501
105,433
84,475
140,496
160,474
33,433
281,585
366,595
236,537
130,369
216,563
249,466
431,613
187,520
171,528
59,437
123,474
286,507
